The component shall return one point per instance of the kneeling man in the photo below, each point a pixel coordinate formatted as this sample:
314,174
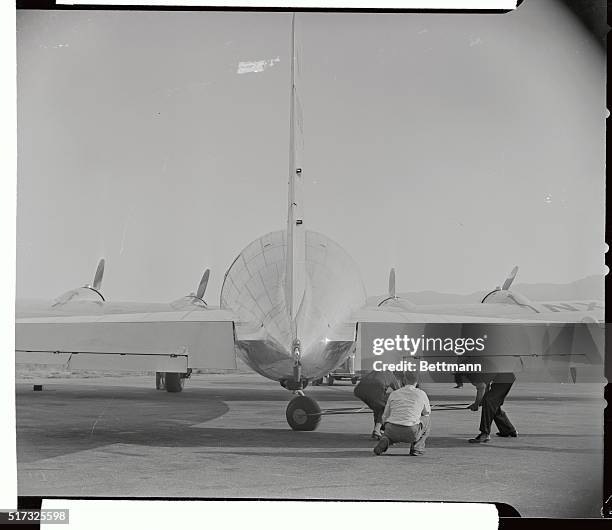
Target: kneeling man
406,418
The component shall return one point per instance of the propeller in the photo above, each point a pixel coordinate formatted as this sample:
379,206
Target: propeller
392,283
97,281
503,295
85,292
510,279
203,284
196,299
392,299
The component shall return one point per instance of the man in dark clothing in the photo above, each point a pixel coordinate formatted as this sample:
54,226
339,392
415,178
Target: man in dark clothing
491,391
374,389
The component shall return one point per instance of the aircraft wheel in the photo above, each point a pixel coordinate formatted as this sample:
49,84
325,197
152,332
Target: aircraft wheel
330,380
303,414
159,381
354,380
174,381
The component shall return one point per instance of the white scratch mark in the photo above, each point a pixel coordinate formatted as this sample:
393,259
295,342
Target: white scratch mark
100,416
44,46
475,41
252,67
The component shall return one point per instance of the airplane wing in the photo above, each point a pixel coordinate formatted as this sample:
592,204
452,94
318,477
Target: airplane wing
158,340
545,346
82,329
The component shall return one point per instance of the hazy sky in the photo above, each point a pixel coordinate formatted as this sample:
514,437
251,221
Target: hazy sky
449,146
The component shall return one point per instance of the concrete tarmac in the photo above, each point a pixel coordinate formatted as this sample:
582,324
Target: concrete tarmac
225,436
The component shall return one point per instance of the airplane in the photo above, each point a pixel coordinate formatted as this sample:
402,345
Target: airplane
292,306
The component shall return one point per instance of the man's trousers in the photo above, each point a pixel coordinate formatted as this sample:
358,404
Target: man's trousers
415,435
492,411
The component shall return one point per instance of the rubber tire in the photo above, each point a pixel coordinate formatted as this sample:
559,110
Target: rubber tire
330,380
174,382
303,414
159,381
354,381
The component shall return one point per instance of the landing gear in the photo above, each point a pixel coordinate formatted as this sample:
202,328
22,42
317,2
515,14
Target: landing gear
174,382
303,414
171,381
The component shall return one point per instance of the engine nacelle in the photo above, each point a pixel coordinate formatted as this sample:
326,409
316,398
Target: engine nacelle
87,293
396,301
80,294
501,296
189,302
392,300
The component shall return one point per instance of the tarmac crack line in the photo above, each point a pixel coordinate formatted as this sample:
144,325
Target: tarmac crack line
100,415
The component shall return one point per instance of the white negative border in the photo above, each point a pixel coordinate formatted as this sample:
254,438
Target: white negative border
488,5
272,515
8,191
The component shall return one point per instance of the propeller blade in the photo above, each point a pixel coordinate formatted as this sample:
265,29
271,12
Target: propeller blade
203,285
97,281
392,283
510,279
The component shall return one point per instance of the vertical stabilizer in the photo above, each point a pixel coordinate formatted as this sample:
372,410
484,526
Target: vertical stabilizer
296,243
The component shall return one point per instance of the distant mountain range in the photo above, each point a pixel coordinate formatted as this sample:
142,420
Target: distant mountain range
589,288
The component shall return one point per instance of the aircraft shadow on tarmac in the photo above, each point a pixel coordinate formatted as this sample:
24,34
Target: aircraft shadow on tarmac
276,442
60,421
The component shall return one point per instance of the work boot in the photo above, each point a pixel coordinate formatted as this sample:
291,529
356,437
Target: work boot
480,439
381,446
415,452
512,434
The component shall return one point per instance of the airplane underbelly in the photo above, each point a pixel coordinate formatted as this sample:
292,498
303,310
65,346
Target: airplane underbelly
272,362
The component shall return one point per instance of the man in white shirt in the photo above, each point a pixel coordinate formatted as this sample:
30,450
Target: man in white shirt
406,418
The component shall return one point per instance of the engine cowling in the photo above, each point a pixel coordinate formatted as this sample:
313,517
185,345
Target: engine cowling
503,294
87,293
392,300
